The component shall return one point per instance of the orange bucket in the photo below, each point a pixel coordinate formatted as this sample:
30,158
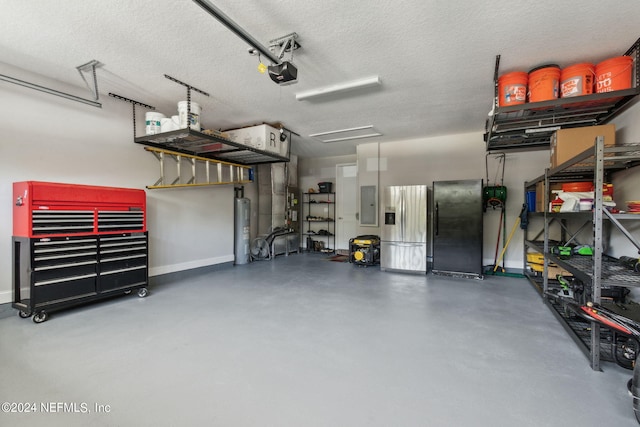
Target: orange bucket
512,88
614,74
577,187
577,80
544,82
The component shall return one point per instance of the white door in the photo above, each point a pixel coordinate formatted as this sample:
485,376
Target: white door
346,204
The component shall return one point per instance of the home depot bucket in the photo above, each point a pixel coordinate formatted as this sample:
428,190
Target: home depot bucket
153,122
512,88
614,74
544,82
194,120
577,80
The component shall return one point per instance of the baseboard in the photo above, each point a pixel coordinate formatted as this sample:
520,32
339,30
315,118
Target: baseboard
5,297
173,268
177,276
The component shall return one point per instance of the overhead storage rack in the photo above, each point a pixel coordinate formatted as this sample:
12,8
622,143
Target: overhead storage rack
208,145
189,141
529,126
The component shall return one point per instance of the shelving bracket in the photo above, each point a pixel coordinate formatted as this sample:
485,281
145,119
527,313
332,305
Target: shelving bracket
133,107
90,67
284,44
189,89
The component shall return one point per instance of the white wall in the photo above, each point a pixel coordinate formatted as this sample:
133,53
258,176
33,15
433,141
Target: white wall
47,138
422,161
626,184
462,156
313,171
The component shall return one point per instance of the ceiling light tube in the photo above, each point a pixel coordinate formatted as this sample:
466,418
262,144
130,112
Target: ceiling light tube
339,88
341,130
346,138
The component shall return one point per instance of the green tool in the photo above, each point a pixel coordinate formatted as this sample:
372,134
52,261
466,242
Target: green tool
494,196
563,251
585,250
566,287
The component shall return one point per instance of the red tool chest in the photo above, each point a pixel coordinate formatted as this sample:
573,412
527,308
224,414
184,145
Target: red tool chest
76,243
49,209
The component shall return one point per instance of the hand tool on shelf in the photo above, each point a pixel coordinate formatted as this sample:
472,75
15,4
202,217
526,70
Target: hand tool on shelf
513,230
630,262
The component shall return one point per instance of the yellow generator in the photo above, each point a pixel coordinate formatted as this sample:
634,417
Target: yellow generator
364,250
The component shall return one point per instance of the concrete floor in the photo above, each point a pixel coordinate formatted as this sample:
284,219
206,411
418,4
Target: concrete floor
302,341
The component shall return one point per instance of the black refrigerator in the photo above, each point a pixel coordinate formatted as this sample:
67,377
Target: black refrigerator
457,228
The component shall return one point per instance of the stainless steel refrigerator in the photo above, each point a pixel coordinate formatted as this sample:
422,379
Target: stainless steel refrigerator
457,228
403,246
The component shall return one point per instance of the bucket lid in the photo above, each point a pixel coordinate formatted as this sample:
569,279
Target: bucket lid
541,67
514,75
624,59
580,66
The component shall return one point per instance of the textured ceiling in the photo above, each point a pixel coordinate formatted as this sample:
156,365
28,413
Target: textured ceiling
435,58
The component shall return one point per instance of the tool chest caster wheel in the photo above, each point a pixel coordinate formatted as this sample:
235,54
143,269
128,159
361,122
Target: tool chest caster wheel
143,292
40,316
24,314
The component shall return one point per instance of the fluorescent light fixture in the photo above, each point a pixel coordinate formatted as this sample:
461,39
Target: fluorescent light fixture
339,88
346,138
347,134
331,132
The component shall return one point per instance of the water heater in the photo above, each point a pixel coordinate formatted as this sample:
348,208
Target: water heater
242,231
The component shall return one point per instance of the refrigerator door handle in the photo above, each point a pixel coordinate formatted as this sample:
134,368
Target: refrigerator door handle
403,217
437,219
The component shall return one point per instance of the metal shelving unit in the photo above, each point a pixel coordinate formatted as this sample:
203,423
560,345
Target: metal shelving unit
598,271
194,143
529,126
311,214
580,330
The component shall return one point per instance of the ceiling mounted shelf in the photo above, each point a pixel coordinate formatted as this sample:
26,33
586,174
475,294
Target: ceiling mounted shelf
188,141
529,126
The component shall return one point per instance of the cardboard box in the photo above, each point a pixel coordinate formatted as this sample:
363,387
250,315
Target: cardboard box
568,143
552,270
540,191
261,137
